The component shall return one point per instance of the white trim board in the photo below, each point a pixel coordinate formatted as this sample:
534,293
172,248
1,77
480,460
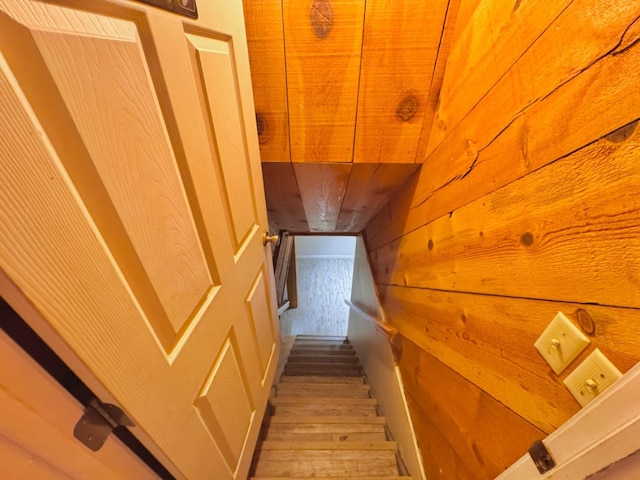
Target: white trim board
605,431
324,256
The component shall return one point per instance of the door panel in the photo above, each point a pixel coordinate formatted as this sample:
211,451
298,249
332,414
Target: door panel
127,147
215,68
133,212
258,308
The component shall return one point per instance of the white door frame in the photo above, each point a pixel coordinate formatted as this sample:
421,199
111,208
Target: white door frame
604,432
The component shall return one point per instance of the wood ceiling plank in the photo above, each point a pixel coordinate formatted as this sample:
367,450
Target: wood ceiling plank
284,203
323,44
369,188
398,58
322,189
265,37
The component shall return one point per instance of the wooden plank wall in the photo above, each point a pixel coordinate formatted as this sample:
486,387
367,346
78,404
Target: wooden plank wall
528,202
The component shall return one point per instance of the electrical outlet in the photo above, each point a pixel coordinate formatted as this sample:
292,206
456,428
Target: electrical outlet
592,377
561,342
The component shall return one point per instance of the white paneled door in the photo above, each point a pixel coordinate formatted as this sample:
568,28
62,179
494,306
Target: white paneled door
132,215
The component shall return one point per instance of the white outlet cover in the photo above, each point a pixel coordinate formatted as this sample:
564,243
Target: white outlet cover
592,377
561,342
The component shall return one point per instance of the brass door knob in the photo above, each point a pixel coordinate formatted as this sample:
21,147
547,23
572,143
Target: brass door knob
266,238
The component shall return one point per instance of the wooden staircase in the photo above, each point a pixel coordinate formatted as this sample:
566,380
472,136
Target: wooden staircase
323,422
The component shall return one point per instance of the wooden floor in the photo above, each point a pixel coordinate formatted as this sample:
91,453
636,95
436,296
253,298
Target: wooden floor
323,421
323,284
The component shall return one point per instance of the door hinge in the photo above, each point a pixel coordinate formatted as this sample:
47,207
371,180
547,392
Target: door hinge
541,457
188,8
97,422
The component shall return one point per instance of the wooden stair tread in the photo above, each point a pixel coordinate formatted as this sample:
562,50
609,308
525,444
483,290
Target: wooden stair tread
322,393
324,348
333,365
311,436
328,478
323,463
325,386
363,386
324,410
332,373
321,337
319,351
322,401
326,427
338,368
356,446
323,365
323,359
327,419
322,390
323,379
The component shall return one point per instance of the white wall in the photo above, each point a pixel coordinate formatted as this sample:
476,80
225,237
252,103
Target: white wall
326,246
376,357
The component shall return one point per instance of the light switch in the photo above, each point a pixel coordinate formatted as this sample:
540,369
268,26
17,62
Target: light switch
561,342
592,377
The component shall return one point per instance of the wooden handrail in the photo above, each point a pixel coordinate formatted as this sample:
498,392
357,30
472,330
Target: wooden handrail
385,328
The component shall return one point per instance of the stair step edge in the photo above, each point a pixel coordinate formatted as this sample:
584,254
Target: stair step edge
389,446
325,400
334,419
321,379
323,365
342,386
332,478
323,337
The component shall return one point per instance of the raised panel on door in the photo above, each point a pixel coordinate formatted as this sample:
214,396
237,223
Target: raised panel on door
143,208
134,214
258,303
215,67
224,403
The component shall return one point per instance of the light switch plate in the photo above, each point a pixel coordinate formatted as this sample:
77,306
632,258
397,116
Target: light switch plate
592,377
561,342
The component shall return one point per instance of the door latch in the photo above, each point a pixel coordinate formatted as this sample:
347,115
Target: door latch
97,422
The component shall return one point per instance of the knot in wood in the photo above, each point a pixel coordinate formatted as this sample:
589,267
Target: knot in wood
321,16
621,134
585,321
407,108
261,124
527,239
